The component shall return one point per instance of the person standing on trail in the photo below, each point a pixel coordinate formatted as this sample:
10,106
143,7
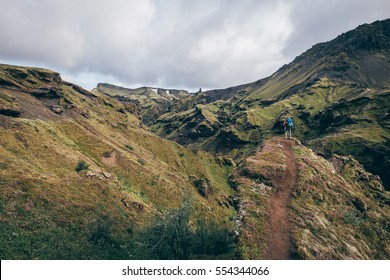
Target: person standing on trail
288,125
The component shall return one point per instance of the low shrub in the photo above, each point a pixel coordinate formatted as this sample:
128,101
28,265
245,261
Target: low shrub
81,165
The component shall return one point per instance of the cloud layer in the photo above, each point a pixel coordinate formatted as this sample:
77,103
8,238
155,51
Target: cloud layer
172,43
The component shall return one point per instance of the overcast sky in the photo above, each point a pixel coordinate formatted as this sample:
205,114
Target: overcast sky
186,44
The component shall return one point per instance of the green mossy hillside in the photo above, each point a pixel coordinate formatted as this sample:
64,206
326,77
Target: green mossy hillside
339,211
80,177
336,209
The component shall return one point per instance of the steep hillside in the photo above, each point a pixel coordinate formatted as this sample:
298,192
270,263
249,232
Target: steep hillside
152,102
295,204
337,93
80,178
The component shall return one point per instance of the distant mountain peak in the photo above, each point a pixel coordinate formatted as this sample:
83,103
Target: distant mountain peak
152,101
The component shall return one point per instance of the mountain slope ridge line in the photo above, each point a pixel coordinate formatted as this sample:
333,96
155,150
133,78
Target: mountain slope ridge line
336,92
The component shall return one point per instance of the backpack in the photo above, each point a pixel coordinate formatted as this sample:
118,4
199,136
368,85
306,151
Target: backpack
288,122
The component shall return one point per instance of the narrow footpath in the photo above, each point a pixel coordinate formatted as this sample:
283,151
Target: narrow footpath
278,239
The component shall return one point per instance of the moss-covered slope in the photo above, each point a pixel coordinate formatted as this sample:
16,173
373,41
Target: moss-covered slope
80,177
335,210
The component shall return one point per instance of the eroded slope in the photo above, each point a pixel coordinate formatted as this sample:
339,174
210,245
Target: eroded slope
295,204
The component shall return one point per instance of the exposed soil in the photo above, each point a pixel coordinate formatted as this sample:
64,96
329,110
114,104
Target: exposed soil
278,239
109,159
29,106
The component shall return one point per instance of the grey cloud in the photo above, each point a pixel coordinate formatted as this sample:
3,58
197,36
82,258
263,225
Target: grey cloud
174,43
319,21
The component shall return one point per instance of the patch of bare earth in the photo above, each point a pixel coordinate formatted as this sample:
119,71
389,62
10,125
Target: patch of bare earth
278,237
109,159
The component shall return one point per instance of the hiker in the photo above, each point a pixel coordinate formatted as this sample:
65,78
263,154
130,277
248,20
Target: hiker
288,125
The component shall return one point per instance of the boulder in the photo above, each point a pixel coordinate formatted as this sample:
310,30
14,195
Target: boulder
202,185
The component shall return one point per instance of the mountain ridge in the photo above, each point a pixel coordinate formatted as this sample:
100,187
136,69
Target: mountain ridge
345,72
152,102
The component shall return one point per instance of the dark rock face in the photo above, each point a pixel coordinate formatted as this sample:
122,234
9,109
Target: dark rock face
228,161
9,112
202,185
359,204
231,137
35,81
56,109
202,130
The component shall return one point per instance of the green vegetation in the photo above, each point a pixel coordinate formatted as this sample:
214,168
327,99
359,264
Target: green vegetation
49,211
150,102
173,236
81,165
129,147
330,207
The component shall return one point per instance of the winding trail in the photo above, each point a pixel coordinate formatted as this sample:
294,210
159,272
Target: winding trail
278,239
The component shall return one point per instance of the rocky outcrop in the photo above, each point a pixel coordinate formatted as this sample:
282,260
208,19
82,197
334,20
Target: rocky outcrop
151,102
11,112
35,81
202,185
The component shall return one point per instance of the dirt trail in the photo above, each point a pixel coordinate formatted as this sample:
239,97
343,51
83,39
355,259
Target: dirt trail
278,239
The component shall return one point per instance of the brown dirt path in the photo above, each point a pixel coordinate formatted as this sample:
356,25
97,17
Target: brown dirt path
278,239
